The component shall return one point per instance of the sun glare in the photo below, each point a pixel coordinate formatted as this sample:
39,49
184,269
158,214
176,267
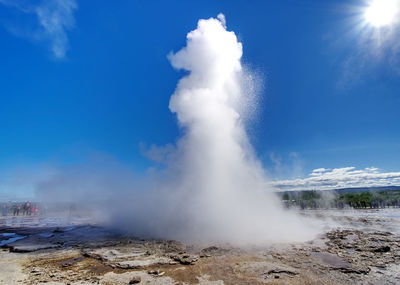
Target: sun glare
381,12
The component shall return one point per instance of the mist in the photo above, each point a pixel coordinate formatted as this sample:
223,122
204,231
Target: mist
211,187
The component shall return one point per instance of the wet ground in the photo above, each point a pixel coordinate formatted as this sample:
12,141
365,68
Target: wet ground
357,247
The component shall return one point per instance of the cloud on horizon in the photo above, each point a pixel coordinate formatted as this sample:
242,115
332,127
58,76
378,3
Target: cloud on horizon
55,18
336,178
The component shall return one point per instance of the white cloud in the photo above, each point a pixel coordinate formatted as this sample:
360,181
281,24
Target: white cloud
55,18
319,170
325,179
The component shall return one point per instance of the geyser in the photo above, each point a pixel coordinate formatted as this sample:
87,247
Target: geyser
215,189
212,188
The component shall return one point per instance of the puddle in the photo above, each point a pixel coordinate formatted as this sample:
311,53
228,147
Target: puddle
11,238
8,234
331,260
46,235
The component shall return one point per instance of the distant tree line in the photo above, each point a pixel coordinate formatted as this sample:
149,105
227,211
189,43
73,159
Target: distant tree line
318,199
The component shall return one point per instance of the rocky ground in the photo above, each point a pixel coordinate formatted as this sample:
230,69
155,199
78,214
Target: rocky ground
363,249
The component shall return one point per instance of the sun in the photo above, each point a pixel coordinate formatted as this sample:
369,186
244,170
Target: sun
381,13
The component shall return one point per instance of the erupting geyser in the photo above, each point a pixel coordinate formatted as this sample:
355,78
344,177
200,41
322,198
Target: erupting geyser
216,189
211,187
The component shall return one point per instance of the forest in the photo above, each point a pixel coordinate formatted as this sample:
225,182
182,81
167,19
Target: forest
342,198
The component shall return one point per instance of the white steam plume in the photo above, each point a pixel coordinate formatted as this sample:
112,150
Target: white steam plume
213,188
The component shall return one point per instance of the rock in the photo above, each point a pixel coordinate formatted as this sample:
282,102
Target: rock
209,250
185,259
156,272
203,255
135,280
93,255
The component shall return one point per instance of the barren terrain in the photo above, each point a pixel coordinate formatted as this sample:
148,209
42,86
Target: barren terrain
358,247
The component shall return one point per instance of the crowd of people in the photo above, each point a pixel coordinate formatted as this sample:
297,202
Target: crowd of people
19,209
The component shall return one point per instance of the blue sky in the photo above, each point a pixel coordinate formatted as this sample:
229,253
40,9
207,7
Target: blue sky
77,79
